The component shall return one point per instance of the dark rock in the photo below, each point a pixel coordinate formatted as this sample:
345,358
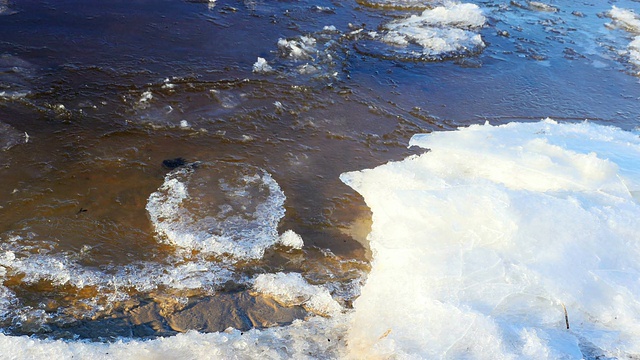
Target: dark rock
174,163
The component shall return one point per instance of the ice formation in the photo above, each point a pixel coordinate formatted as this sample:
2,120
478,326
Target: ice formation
629,21
540,6
261,66
227,210
303,48
292,289
230,210
145,276
398,4
626,19
634,51
441,31
480,244
291,239
316,338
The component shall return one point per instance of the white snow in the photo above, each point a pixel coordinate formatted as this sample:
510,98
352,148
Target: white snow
481,243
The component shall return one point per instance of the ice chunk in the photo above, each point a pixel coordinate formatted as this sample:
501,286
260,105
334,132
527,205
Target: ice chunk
479,246
146,96
457,15
317,338
221,208
292,289
291,239
303,48
398,4
540,6
7,299
440,32
434,41
261,66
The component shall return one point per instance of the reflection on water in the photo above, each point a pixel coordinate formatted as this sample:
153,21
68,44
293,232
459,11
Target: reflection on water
95,96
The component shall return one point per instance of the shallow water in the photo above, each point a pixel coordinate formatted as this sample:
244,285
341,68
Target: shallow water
95,96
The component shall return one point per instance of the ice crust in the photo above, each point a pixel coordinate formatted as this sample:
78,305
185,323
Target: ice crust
292,289
630,22
230,210
480,243
144,276
540,6
218,209
437,33
313,339
626,19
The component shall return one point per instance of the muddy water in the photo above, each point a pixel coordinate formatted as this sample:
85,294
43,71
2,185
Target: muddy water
94,97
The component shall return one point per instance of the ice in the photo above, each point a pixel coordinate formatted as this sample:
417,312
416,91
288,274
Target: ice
434,41
146,97
634,51
398,4
261,66
225,209
7,299
291,239
13,95
214,213
629,21
10,137
540,6
439,32
143,276
626,19
292,289
317,51
303,48
481,243
458,15
318,338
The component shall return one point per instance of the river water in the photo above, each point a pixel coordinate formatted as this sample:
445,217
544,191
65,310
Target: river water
168,166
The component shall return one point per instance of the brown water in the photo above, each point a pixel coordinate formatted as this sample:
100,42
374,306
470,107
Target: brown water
97,95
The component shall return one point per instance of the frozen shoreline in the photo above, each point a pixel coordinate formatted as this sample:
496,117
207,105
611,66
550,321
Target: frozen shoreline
479,246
